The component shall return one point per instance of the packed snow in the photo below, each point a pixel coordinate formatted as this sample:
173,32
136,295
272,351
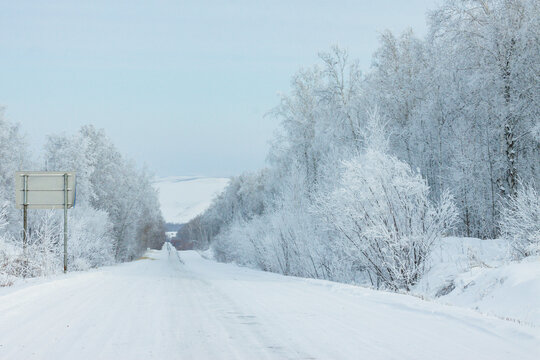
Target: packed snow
184,197
166,306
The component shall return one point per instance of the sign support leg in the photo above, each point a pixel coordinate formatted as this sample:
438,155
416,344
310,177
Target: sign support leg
25,240
65,220
25,213
25,227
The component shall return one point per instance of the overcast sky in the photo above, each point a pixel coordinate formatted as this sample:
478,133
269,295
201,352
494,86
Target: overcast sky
182,86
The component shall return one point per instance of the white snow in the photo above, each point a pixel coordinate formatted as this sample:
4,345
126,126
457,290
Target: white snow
510,291
452,256
159,308
478,275
184,197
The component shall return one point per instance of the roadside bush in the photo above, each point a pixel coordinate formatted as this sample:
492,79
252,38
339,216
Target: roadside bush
520,222
382,214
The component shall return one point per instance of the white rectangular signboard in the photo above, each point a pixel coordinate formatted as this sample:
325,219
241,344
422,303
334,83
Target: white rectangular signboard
44,189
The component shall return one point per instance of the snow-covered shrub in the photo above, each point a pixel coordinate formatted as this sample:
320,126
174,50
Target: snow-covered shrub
90,238
13,263
5,277
520,221
9,262
285,238
89,244
381,211
244,242
44,252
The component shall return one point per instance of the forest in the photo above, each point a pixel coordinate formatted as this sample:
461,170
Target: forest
115,219
441,136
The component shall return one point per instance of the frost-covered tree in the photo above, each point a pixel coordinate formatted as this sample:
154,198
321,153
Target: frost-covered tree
492,50
460,109
397,86
520,221
14,156
109,184
463,103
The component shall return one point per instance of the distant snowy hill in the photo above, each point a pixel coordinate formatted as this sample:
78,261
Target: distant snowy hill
184,197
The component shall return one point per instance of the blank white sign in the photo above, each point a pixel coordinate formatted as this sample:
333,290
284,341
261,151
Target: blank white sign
45,189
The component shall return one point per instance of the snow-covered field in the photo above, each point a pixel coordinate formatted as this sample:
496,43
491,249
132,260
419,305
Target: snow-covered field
184,197
159,308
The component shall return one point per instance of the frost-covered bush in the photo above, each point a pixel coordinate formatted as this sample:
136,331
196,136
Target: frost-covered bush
284,238
520,221
244,243
44,252
90,238
381,211
12,261
5,254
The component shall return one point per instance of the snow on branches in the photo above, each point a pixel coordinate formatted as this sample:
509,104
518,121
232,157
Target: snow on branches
520,221
382,211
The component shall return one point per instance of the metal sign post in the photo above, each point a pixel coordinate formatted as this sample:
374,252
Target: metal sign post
65,220
25,214
45,190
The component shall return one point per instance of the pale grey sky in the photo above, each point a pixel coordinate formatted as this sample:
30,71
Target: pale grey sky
179,85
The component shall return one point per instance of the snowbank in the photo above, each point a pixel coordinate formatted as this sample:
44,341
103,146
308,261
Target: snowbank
473,273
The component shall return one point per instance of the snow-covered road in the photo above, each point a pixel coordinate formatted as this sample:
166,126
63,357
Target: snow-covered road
158,308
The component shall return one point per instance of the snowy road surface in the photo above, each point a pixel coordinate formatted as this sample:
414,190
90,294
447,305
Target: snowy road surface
157,308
